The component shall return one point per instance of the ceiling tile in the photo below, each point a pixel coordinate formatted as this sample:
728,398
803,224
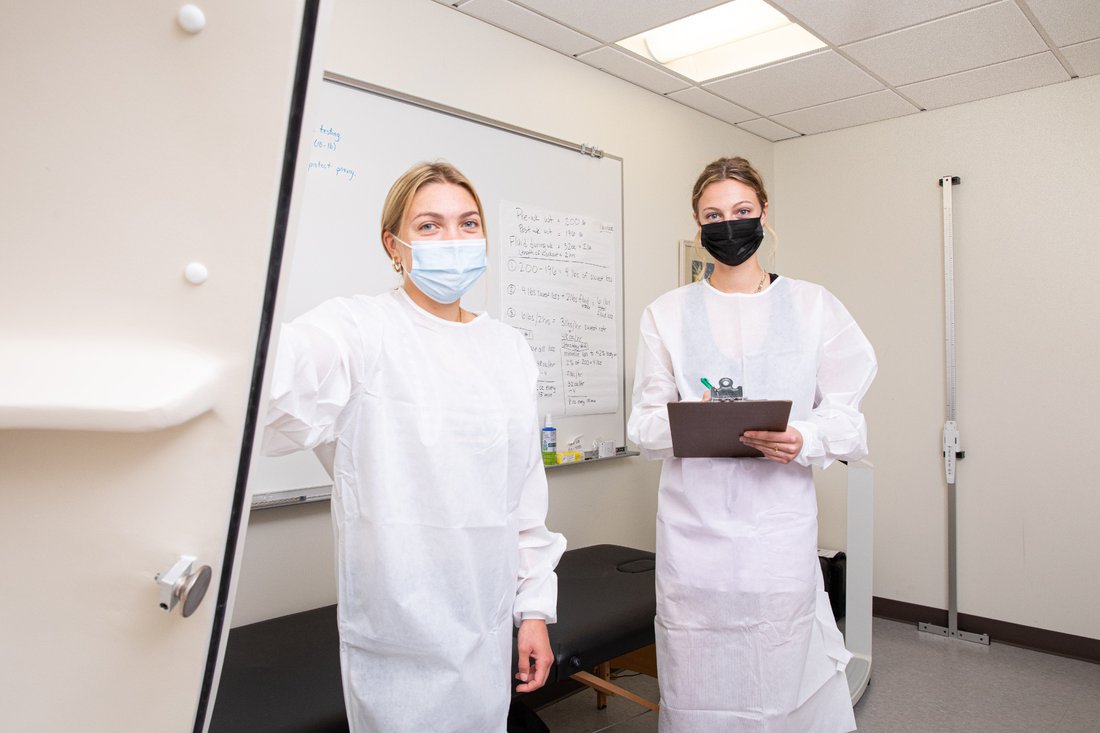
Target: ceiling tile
988,35
847,113
633,70
988,81
1068,21
1084,57
531,26
614,20
844,21
789,85
767,129
712,105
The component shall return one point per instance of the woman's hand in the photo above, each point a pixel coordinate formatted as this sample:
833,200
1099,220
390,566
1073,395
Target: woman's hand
533,643
779,447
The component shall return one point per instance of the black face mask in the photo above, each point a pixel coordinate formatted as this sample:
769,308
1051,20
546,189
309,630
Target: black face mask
733,241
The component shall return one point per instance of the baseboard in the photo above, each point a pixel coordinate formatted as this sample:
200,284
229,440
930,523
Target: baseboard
1002,632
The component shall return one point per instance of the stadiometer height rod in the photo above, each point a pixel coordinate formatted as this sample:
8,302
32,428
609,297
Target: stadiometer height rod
951,452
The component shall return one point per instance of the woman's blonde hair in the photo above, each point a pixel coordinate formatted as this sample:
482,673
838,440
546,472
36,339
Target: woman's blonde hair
726,169
401,194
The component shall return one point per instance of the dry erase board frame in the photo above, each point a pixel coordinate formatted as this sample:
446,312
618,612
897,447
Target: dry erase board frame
364,137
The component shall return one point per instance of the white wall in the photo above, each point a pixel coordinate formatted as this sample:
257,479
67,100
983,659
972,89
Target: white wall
862,214
432,51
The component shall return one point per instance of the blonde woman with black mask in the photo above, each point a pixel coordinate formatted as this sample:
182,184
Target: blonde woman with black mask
746,640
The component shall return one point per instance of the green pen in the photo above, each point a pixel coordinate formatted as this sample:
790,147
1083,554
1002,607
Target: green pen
706,383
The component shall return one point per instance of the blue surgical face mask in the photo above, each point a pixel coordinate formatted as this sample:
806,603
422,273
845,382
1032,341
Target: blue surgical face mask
445,269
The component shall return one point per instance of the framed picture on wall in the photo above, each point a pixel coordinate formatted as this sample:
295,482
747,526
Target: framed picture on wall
695,265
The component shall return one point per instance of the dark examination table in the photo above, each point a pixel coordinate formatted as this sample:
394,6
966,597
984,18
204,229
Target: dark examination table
283,675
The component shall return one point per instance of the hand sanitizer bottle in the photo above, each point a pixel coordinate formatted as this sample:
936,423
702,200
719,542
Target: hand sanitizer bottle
549,443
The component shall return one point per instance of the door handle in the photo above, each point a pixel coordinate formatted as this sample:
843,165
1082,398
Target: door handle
182,584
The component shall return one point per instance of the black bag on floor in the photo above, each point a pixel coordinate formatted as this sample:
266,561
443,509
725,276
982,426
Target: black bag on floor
834,566
522,719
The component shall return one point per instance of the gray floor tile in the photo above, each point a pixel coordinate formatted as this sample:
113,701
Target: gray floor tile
643,722
1083,713
578,713
919,684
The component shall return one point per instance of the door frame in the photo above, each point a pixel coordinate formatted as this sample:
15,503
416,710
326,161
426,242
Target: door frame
281,229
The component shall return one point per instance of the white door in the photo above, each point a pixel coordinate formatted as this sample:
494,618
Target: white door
142,193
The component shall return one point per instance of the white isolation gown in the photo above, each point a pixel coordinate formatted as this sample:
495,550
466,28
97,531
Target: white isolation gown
439,503
746,640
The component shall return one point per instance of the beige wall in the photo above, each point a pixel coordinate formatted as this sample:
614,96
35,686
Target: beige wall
862,213
429,50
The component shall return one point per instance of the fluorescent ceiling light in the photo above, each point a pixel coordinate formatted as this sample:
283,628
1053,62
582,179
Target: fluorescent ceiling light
737,35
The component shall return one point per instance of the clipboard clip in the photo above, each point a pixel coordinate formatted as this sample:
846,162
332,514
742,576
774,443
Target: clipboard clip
726,392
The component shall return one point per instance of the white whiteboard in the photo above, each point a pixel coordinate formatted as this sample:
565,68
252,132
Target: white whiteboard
554,224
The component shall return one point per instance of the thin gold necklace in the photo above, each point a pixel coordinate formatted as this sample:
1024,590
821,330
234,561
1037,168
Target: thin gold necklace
760,286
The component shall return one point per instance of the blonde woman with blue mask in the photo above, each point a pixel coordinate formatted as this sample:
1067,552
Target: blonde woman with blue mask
439,498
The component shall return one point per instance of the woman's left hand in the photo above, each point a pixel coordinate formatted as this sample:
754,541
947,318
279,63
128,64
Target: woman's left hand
535,655
779,447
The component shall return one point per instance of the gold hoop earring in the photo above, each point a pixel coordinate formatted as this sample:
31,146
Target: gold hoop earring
397,266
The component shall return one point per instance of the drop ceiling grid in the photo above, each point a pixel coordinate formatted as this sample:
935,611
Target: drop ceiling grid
530,25
768,130
974,38
932,53
614,20
845,21
803,82
1014,75
712,105
626,66
873,107
1084,57
1068,21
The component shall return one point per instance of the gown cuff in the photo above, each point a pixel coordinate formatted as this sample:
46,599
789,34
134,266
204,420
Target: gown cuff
813,449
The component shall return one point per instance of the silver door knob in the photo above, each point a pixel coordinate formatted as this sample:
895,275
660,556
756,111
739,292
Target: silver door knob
182,584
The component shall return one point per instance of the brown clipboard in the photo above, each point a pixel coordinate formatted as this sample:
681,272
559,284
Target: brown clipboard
713,429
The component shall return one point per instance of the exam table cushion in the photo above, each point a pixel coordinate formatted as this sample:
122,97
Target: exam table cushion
283,675
606,605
